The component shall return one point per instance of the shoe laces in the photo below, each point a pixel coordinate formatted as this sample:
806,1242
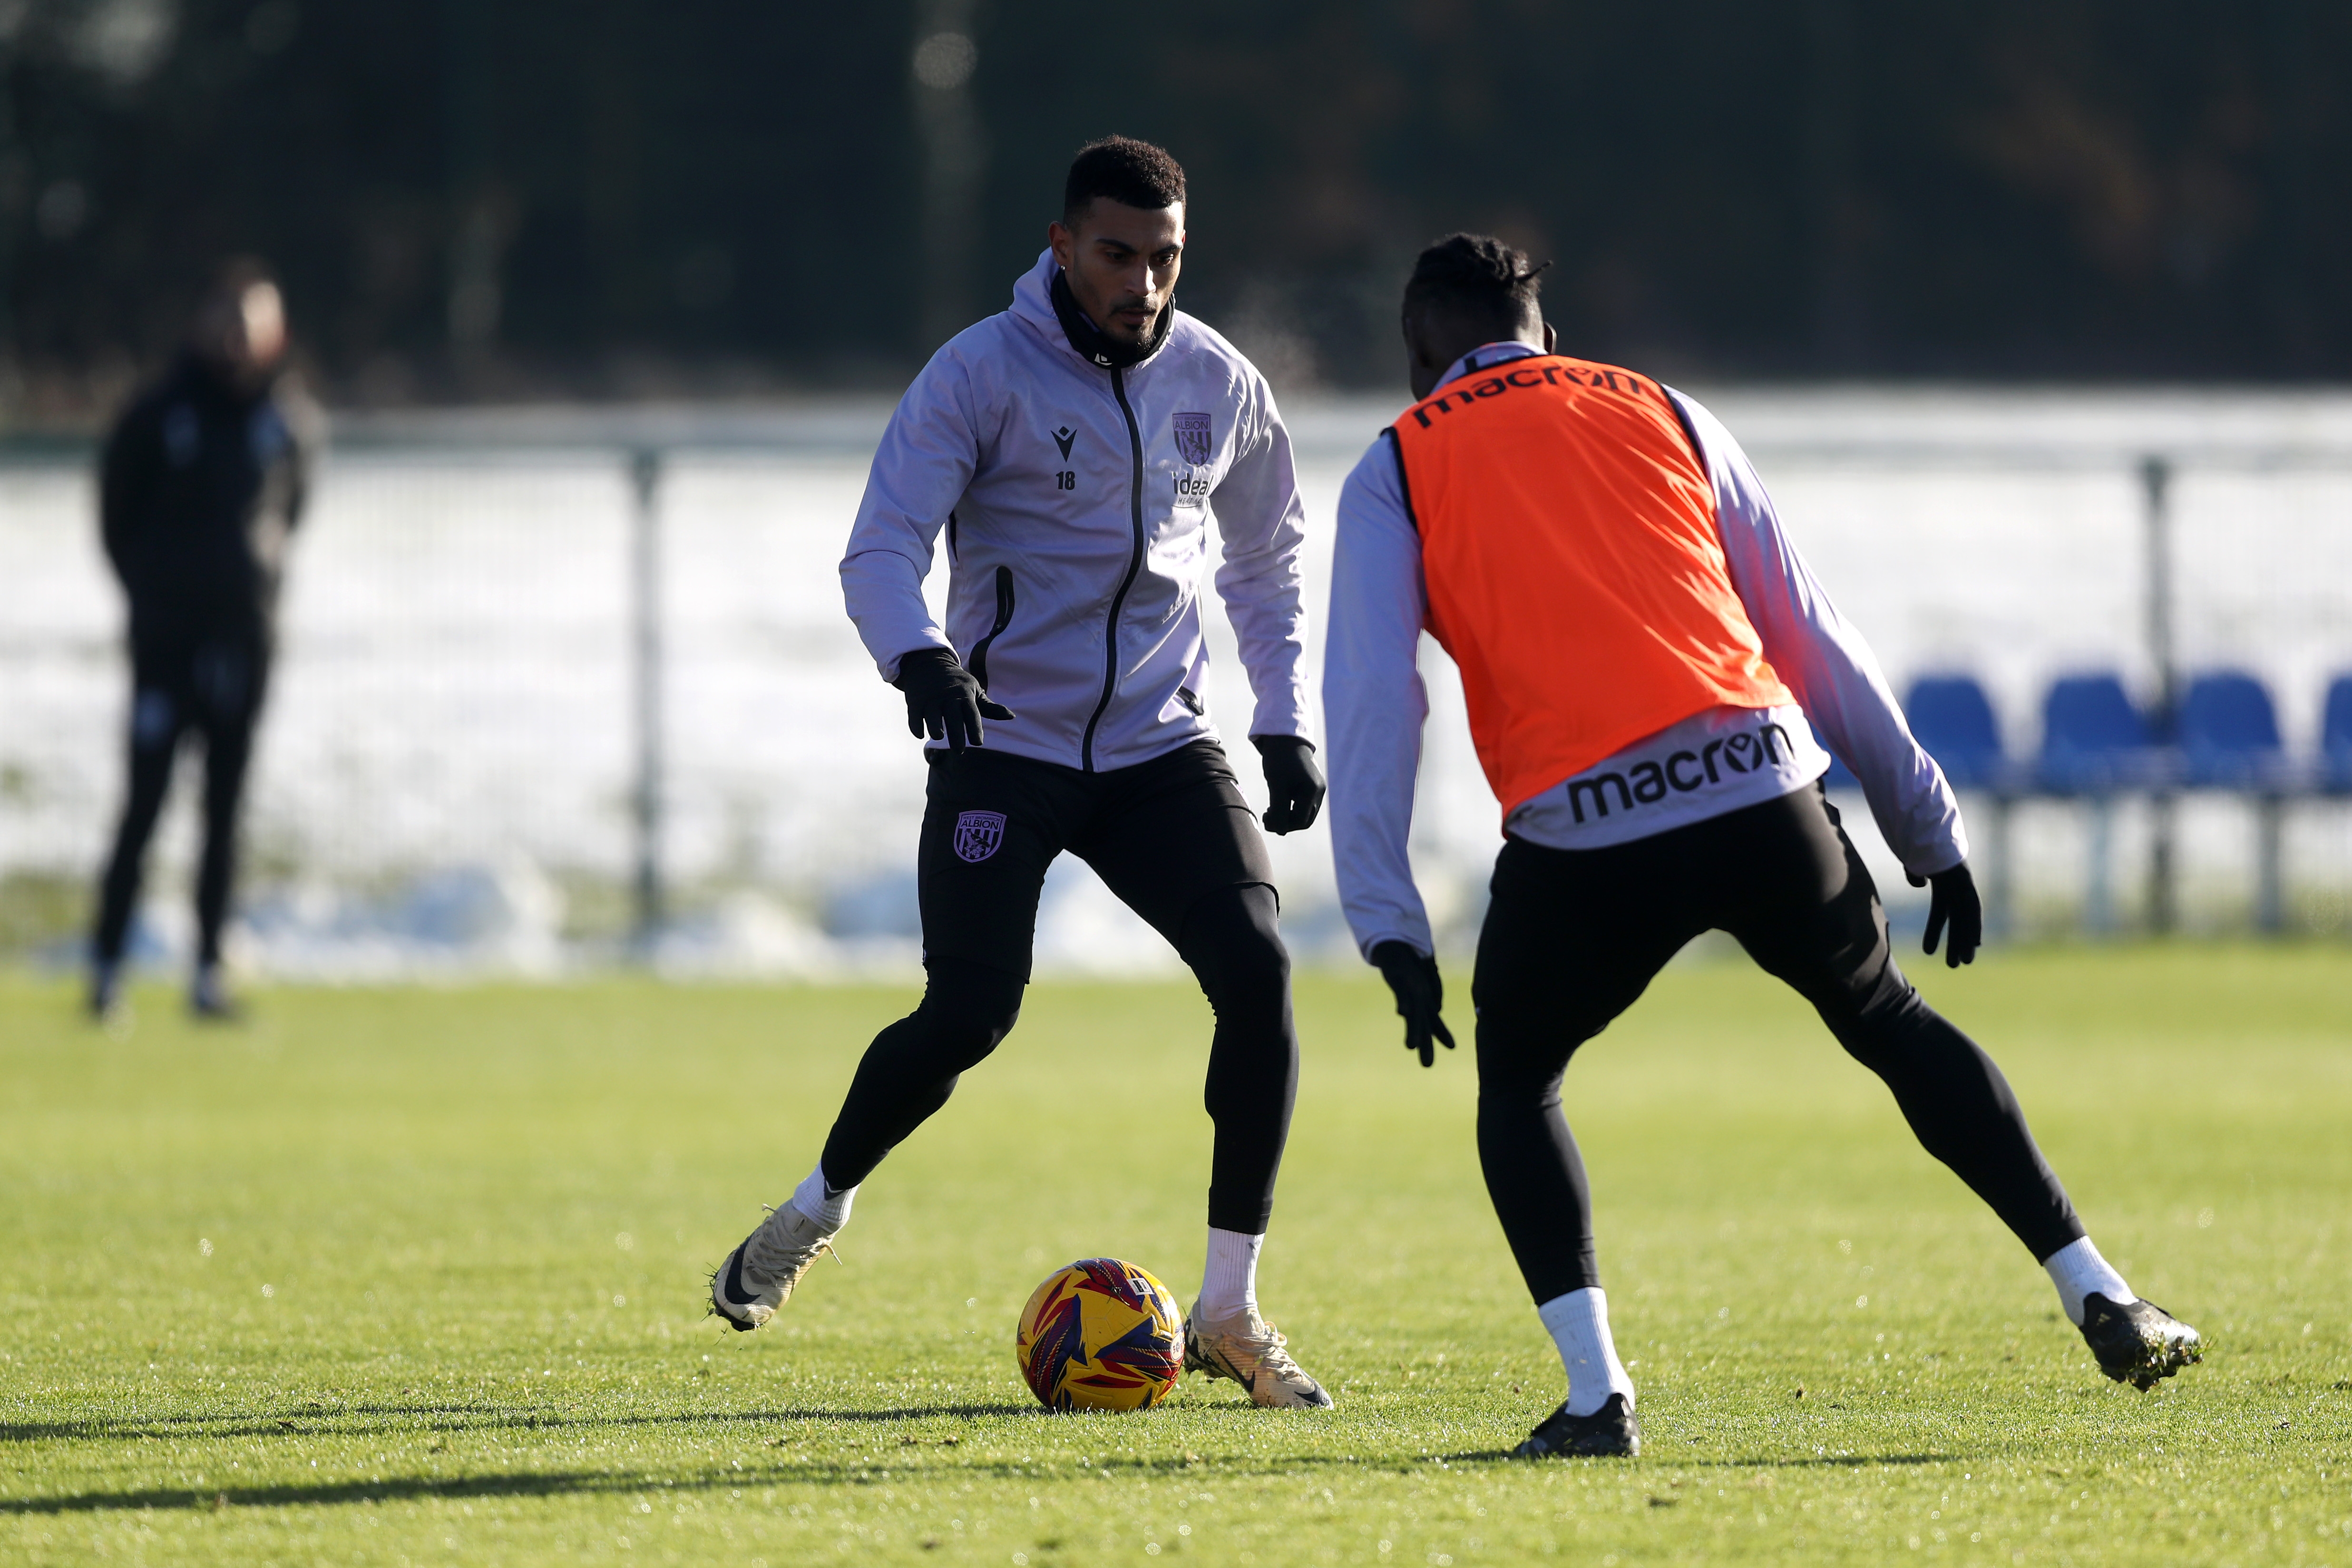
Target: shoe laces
1277,1361
780,1257
1266,1345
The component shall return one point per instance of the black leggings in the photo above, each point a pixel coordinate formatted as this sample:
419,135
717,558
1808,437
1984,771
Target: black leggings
213,690
1231,940
1573,937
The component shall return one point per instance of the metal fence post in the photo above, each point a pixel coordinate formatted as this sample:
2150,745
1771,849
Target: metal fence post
646,602
2270,893
2098,869
2000,897
2156,481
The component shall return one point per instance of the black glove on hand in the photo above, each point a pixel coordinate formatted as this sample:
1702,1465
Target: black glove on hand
1419,994
942,699
1294,785
1953,899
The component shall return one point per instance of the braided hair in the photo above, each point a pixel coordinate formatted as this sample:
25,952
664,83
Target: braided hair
1475,276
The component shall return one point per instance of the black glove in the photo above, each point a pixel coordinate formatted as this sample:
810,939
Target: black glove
942,699
1294,785
1419,994
1953,899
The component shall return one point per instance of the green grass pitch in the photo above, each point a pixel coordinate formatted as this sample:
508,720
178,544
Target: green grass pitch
414,1277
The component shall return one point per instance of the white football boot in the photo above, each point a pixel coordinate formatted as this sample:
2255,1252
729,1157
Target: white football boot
1249,1350
758,1277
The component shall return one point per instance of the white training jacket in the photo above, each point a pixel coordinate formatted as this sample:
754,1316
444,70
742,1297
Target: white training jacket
1708,764
1076,501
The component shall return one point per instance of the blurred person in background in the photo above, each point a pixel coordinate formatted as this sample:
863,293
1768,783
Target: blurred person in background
1073,449
200,484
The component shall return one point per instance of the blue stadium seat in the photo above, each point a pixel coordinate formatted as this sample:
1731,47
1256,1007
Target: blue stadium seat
2229,734
2094,741
1952,717
2335,736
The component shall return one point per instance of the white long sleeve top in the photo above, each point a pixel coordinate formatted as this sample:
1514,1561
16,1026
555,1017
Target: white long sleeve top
1718,760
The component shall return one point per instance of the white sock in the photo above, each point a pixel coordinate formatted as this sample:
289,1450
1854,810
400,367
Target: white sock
1229,1283
827,1205
1578,1323
2078,1270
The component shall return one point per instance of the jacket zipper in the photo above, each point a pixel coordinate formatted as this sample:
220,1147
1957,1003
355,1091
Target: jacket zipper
978,662
1134,565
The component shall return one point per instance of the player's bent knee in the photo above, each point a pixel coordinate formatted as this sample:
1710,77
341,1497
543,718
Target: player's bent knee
1233,941
970,1007
1877,1020
1522,1058
1504,1095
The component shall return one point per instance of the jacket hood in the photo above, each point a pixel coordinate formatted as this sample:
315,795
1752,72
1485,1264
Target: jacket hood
1042,298
1033,295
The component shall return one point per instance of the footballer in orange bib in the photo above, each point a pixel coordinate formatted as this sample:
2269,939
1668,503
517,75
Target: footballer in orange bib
1645,658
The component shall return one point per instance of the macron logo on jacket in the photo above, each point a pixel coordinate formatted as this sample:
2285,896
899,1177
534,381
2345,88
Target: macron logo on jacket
1075,500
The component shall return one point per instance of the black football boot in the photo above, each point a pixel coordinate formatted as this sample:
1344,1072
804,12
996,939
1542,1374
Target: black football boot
2139,1343
1612,1431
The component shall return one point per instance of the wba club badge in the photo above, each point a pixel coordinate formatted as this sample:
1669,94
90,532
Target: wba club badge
1193,440
978,835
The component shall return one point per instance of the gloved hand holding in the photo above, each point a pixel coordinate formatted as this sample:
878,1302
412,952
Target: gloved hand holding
1294,785
1953,899
942,699
1418,994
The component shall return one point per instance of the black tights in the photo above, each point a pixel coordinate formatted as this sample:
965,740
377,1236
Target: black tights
1235,948
1572,938
215,692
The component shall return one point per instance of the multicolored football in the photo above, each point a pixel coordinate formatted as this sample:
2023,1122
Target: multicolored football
1101,1335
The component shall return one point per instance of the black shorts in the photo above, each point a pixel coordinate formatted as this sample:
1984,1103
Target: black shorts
1572,937
1160,834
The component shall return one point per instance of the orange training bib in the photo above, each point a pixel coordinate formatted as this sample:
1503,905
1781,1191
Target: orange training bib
1574,569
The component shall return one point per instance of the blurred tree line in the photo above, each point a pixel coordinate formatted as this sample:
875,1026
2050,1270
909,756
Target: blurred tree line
498,198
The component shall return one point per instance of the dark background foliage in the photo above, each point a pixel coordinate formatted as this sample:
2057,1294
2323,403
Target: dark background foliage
481,198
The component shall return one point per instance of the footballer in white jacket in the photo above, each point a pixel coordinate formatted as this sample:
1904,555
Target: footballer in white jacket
1072,451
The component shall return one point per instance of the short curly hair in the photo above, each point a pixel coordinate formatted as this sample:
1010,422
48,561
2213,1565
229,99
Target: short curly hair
1130,172
1475,274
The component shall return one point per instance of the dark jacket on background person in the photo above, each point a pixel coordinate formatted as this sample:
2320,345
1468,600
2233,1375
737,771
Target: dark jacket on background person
200,486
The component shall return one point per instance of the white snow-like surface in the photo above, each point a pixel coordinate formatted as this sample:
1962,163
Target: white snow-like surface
450,737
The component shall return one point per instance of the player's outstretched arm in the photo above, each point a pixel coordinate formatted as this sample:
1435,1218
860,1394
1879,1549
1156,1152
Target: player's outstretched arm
1827,662
1374,703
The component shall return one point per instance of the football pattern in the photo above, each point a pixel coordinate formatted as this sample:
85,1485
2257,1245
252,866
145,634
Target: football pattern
1101,1335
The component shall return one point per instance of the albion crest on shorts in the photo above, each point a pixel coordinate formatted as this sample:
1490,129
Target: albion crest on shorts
1194,443
978,835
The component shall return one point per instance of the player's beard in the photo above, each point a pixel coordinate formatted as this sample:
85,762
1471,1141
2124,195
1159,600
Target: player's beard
1096,344
1127,333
